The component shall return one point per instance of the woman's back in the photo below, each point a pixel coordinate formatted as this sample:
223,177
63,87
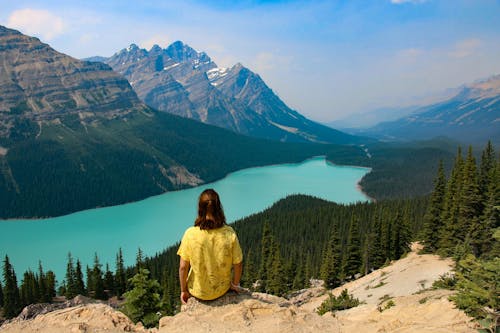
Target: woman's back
211,254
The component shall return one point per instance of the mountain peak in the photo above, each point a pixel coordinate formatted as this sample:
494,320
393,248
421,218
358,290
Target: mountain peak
132,47
156,49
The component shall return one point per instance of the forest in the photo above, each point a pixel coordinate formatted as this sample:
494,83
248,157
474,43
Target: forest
301,238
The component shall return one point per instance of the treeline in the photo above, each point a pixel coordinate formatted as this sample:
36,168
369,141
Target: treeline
463,221
68,168
398,170
297,239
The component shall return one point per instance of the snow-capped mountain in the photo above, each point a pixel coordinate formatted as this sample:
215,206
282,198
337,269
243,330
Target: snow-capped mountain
182,81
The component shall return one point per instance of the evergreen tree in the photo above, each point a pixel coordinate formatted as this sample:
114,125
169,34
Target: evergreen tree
97,281
50,280
352,261
1,294
29,288
71,289
401,237
78,279
276,283
109,280
433,222
449,233
488,164
248,277
378,257
120,275
43,292
11,297
139,261
470,205
330,262
265,256
483,228
142,302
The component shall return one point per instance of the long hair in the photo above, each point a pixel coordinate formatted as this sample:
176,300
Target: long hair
210,212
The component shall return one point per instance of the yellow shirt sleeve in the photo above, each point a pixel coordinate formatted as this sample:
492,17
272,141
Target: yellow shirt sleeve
237,253
184,250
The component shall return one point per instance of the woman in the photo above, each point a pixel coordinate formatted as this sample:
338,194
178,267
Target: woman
208,251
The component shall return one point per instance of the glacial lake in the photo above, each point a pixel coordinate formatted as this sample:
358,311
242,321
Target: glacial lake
157,222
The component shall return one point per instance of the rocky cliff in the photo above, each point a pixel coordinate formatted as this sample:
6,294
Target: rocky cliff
40,85
405,283
188,83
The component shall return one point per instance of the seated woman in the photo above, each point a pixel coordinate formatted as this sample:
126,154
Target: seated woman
208,252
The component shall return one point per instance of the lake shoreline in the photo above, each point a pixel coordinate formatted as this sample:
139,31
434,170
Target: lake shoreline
358,186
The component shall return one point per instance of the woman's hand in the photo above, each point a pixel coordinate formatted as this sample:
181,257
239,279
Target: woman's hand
185,296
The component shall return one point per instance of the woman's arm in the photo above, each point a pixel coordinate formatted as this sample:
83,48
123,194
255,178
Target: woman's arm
183,273
237,270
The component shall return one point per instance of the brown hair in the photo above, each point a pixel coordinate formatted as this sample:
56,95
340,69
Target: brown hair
210,212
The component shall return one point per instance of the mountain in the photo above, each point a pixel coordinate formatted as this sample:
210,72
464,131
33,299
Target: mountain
74,135
182,81
471,116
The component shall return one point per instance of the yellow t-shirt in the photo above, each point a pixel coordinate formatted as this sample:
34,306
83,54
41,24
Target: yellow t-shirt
211,254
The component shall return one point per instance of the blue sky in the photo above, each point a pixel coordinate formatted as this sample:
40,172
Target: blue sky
326,59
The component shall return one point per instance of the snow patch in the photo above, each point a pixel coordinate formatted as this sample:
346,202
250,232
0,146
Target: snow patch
285,128
215,74
171,66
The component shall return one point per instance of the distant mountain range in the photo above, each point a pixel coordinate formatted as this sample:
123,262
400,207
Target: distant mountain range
471,116
74,134
184,82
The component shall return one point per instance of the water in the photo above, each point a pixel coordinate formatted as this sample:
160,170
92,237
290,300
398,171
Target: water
157,222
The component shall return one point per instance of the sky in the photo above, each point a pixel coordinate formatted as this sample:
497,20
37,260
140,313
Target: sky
326,59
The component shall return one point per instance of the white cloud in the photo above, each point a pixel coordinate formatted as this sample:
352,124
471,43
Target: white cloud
37,22
399,2
465,48
411,54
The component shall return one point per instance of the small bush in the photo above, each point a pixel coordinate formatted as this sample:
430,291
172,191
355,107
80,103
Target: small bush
342,302
445,281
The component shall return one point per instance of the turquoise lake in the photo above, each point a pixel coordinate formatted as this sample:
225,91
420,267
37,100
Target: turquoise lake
158,222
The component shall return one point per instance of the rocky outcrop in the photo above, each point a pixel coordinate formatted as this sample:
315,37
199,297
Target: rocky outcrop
39,84
405,305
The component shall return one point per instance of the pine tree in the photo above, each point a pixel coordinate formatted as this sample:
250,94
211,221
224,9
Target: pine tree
97,281
1,295
78,279
352,261
50,279
470,205
265,256
448,237
71,289
433,222
29,288
120,275
248,277
488,164
109,280
11,297
139,261
275,279
43,293
483,229
378,257
401,237
142,302
330,262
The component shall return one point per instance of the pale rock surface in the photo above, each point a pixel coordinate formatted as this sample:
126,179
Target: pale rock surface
402,282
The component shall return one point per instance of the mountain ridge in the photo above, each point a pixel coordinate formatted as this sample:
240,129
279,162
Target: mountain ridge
182,81
470,116
74,135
